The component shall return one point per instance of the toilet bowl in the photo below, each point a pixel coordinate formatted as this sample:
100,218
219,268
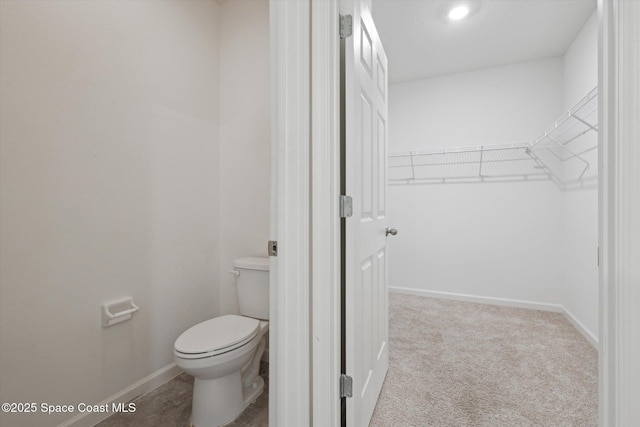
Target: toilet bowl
224,353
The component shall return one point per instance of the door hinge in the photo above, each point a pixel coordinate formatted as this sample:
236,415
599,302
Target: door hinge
346,26
346,386
346,206
272,248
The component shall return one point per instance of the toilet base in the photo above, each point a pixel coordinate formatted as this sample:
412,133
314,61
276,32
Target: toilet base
225,399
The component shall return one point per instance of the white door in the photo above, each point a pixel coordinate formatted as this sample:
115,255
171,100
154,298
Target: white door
366,308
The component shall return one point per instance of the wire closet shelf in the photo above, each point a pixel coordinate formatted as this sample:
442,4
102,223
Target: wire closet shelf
557,154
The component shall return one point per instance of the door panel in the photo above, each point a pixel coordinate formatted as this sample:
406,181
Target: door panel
366,307
366,152
382,165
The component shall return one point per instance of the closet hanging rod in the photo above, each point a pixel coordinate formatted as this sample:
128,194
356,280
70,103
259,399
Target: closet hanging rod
462,150
469,162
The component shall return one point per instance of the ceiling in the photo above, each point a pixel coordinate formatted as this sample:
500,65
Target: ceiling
421,42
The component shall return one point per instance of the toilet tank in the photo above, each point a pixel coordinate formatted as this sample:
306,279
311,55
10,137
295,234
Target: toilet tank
253,287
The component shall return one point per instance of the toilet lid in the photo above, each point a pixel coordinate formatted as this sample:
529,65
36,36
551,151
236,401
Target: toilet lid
221,333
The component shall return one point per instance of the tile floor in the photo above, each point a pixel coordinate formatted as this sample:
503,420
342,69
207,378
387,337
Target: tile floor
170,406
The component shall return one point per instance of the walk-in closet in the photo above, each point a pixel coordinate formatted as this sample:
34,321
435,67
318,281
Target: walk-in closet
493,170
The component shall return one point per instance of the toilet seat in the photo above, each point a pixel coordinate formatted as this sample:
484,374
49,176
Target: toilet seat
216,336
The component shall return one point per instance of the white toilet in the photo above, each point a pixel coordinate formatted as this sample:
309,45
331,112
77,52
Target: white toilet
223,353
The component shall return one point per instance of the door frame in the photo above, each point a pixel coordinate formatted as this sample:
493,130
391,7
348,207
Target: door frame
619,211
304,324
325,227
305,141
290,318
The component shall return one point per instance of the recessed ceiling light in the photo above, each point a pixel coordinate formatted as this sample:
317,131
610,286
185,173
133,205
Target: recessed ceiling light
458,13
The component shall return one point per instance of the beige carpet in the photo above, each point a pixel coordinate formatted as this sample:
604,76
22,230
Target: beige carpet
460,364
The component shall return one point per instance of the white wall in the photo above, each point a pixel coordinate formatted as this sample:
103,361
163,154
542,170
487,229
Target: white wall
244,138
110,187
492,239
580,202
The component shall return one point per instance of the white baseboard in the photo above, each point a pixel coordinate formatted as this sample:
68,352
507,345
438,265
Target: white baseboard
581,328
555,308
128,394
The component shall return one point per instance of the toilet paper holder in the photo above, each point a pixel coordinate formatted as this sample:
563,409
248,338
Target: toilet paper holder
118,311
